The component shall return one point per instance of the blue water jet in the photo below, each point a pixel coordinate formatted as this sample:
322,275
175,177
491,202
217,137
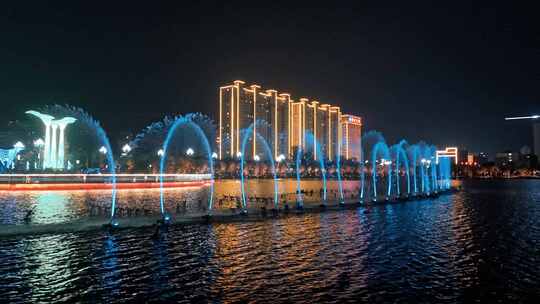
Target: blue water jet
86,119
184,121
426,176
299,152
340,182
368,141
248,133
380,148
362,173
399,155
413,152
433,166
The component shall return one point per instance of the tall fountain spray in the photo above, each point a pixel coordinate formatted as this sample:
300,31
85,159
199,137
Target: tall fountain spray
87,120
414,157
181,122
340,181
247,134
320,156
433,166
385,162
399,157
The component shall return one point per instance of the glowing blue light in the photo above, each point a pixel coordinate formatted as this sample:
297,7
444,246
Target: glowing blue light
179,122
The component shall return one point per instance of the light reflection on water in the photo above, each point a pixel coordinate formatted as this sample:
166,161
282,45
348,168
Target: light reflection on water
479,244
66,206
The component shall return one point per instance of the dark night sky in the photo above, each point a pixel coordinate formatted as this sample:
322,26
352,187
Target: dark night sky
448,75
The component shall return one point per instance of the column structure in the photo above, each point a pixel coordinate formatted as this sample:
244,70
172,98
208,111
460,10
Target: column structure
62,124
47,147
47,121
54,146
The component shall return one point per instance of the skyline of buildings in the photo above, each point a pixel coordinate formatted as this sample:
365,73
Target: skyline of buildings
284,123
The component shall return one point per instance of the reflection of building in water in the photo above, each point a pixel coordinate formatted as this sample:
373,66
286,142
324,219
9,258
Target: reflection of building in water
287,123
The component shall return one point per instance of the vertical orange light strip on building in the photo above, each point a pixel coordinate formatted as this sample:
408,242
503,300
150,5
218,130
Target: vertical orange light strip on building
288,128
340,135
276,138
303,118
254,121
232,122
329,133
237,119
237,84
315,107
220,119
347,140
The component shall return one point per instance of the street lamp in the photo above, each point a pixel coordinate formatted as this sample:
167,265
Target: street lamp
160,152
18,145
190,152
103,150
39,143
126,149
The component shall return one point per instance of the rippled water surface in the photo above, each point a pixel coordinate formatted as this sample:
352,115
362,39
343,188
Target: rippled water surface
480,244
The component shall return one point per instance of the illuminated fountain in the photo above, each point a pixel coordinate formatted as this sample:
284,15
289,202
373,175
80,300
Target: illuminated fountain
340,181
299,153
445,167
400,159
184,121
381,148
433,166
414,156
86,120
426,165
248,133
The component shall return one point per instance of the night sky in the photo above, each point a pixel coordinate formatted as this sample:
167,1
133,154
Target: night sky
448,75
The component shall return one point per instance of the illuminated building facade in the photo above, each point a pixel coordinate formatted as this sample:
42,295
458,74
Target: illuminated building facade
351,130
448,152
287,123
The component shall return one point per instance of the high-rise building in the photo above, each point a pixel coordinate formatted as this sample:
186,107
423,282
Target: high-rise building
351,130
284,123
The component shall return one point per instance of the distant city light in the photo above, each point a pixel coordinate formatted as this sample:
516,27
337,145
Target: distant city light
190,152
160,152
103,150
239,154
18,145
256,158
214,155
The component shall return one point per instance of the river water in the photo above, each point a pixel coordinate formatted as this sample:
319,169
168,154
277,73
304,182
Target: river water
482,243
